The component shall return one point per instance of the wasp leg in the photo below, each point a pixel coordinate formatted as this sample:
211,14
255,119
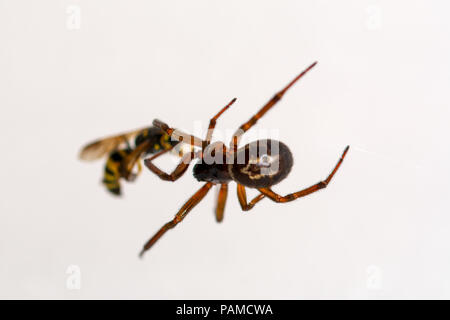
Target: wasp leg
176,173
191,203
127,165
250,123
212,122
132,176
242,196
139,167
322,184
221,200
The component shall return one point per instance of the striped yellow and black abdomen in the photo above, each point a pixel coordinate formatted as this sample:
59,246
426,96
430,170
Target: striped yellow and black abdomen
158,141
111,176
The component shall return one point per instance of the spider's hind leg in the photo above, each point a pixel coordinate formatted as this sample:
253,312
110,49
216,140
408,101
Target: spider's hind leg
322,184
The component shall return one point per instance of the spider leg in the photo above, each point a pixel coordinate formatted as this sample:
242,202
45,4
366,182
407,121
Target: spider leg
322,184
212,122
242,196
176,173
277,97
179,135
221,200
191,203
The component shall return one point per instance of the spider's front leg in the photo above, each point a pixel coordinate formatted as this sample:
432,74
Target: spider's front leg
177,172
322,184
252,121
213,120
179,135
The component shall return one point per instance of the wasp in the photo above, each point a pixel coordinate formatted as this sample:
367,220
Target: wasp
122,157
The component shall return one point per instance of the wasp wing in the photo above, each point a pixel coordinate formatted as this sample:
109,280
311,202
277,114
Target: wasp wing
99,148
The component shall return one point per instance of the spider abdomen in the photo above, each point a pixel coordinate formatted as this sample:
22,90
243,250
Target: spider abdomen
261,163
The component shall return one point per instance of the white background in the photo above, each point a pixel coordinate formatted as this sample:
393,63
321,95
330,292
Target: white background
73,71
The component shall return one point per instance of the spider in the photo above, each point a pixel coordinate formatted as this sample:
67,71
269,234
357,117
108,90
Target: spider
259,165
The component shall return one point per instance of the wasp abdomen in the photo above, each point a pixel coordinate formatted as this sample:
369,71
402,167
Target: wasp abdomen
111,176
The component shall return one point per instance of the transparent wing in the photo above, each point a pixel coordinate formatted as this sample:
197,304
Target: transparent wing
99,148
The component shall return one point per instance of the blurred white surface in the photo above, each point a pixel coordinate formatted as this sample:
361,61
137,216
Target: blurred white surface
73,71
